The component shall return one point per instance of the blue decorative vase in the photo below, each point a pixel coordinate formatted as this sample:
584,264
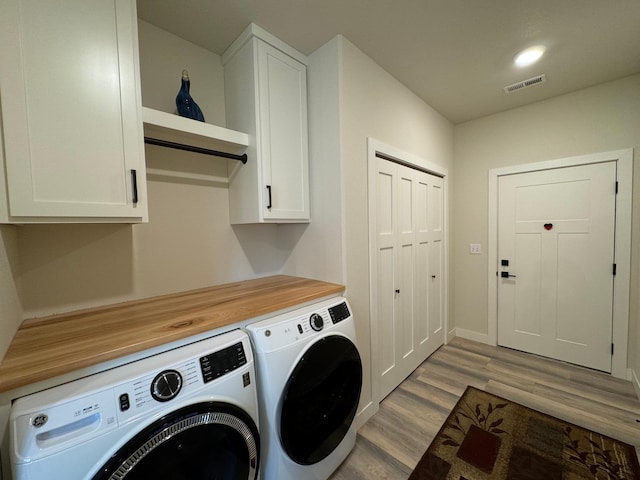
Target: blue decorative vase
185,104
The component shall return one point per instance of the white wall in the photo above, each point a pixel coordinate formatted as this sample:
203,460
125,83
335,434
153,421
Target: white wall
163,56
188,242
319,253
601,118
374,104
10,304
352,98
10,301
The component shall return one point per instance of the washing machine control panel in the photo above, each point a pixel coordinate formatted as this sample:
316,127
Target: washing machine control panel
339,312
148,392
166,386
223,361
48,422
316,322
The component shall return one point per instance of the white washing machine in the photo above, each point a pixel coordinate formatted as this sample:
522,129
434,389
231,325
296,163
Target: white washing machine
309,382
188,413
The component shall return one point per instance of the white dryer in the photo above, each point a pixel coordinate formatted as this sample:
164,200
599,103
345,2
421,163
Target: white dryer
188,413
309,382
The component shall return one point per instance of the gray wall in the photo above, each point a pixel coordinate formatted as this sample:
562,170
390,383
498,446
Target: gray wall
597,119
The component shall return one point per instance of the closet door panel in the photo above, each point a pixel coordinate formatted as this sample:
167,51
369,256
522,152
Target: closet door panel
409,267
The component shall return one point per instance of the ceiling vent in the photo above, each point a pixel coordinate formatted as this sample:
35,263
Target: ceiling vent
525,83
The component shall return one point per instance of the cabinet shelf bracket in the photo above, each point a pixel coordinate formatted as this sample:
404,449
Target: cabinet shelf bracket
190,148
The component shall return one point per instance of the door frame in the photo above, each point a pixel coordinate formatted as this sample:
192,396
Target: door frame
622,246
375,149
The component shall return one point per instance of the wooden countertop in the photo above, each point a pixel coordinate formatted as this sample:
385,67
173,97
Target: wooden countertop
46,347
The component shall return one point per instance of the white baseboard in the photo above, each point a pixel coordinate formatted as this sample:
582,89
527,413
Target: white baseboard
471,335
635,381
450,334
365,414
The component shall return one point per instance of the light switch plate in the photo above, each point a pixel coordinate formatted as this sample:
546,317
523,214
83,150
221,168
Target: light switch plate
475,249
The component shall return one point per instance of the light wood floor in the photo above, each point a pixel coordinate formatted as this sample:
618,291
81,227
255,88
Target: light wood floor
390,444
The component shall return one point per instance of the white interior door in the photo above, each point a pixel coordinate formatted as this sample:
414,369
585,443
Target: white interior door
409,249
388,325
556,258
429,272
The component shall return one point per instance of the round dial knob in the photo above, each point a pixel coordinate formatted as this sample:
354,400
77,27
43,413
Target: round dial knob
316,322
166,385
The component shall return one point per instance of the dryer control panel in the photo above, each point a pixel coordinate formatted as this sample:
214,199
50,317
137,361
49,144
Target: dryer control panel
299,325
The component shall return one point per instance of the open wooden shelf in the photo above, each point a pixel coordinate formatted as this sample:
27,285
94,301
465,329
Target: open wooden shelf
173,128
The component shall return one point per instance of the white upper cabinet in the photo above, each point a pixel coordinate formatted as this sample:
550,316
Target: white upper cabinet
266,96
71,112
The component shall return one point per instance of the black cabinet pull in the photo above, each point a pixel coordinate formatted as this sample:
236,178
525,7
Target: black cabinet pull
134,187
269,190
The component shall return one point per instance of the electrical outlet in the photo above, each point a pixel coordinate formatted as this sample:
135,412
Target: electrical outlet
475,249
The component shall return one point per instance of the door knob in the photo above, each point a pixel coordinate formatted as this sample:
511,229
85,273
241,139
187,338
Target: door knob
506,275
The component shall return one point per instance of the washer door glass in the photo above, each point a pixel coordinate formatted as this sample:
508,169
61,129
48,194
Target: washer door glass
204,441
320,399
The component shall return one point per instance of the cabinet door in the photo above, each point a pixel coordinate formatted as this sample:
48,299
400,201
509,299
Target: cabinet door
72,128
284,143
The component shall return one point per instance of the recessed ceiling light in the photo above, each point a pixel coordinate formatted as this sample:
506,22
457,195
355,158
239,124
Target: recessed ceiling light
529,56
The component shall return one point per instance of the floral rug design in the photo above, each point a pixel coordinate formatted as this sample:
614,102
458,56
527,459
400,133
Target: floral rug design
488,437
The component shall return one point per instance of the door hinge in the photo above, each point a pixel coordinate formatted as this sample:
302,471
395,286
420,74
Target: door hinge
615,269
616,187
612,349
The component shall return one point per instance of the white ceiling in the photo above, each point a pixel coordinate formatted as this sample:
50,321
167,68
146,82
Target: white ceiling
454,54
